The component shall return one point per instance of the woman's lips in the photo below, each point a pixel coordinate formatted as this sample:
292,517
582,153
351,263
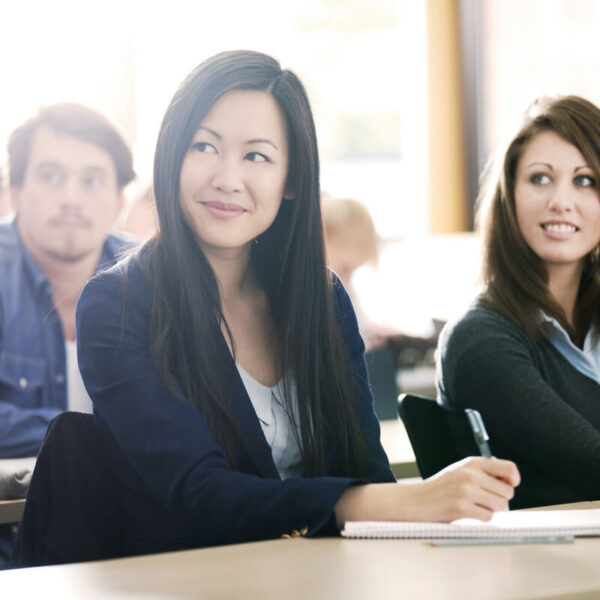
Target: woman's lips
223,210
558,230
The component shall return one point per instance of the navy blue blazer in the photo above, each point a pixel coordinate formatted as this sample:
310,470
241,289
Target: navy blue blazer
176,484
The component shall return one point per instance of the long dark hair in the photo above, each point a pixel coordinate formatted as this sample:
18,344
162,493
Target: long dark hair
515,278
186,318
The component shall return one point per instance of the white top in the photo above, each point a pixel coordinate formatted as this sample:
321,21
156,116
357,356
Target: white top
77,397
277,427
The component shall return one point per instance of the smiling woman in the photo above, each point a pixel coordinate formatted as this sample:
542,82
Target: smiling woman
234,175
527,354
558,209
224,360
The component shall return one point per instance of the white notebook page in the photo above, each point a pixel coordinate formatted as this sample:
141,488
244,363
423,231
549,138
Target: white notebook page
502,524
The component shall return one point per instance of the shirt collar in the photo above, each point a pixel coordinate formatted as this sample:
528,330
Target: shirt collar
552,326
40,281
586,360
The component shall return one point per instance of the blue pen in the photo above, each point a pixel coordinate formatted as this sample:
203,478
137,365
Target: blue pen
479,432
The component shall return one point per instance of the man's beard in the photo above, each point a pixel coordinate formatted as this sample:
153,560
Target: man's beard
68,251
69,258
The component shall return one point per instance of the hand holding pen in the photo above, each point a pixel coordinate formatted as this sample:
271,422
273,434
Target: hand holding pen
479,432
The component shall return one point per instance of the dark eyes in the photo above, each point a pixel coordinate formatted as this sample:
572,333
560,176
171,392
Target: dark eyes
256,157
206,148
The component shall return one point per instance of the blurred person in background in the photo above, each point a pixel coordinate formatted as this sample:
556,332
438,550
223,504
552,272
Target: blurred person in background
68,166
351,242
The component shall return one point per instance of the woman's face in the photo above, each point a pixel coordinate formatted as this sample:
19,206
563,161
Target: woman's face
557,201
233,176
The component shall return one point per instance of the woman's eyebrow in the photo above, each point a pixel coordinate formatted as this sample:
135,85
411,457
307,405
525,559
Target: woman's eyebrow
211,131
252,141
262,141
541,164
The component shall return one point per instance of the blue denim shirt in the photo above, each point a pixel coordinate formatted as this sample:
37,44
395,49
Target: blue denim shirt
33,385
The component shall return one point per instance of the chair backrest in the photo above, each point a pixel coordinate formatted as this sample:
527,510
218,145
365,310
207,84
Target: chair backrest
72,511
86,502
429,432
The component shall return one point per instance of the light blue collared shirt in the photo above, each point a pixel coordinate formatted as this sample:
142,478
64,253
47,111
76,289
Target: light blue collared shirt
586,361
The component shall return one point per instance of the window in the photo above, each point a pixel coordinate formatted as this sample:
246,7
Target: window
364,66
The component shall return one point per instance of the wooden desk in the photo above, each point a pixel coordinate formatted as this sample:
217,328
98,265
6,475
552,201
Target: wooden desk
13,470
329,568
11,510
396,444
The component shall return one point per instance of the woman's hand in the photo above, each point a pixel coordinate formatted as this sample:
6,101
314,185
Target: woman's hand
474,487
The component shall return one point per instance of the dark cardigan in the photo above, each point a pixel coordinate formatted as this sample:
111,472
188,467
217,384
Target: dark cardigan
539,410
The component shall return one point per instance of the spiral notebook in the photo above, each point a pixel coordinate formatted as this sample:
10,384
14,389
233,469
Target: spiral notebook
533,523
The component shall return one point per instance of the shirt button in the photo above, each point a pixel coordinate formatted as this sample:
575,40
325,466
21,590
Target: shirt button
60,378
22,383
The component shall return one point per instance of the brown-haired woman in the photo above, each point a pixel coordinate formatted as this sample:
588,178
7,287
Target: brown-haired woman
527,353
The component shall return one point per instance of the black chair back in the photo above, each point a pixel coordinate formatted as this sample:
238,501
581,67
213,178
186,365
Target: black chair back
428,428
72,513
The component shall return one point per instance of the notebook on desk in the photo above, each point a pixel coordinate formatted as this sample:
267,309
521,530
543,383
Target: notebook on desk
502,525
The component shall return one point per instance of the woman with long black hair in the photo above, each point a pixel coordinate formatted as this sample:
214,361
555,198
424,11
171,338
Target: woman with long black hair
223,358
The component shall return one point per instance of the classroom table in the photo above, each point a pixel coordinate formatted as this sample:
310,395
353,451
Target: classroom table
328,568
11,510
396,444
12,482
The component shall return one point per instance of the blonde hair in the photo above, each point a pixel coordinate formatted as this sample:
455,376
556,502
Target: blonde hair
346,216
